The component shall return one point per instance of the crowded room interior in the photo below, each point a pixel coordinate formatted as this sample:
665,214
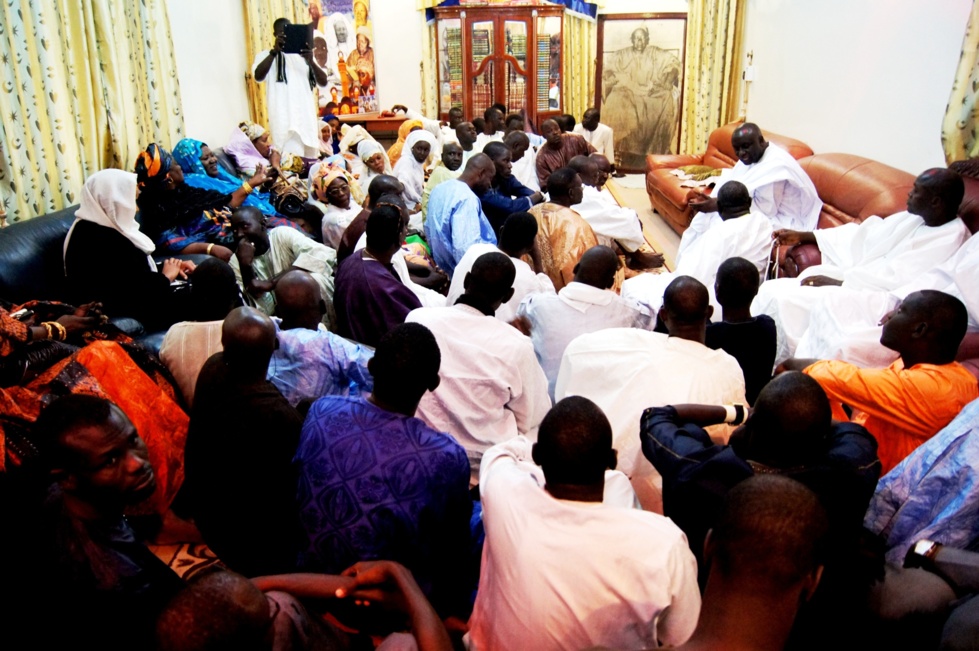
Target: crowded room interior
489,325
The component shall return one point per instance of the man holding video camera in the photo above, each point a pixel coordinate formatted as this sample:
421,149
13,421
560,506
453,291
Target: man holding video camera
291,75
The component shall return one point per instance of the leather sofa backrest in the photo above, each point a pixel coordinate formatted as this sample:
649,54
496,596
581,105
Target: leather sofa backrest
853,188
720,153
32,260
225,161
969,209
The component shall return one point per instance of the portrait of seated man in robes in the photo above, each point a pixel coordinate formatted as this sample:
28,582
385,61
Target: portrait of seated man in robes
641,97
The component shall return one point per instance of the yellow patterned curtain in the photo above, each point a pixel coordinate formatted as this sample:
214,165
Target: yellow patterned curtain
959,129
712,71
83,86
580,53
259,16
429,73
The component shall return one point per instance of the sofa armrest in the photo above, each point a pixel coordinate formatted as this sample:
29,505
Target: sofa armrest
671,161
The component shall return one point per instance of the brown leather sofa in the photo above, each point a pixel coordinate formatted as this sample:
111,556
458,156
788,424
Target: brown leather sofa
670,200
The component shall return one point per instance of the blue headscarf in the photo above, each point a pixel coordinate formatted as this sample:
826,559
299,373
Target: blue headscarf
187,153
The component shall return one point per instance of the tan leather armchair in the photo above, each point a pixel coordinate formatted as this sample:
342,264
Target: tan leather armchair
666,196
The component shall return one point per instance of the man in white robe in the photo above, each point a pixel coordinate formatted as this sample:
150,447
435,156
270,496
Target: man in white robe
875,255
626,370
847,324
587,304
523,159
779,188
492,387
596,134
611,222
516,240
289,95
739,232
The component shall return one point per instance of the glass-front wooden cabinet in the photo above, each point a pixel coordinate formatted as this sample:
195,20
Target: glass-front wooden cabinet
500,53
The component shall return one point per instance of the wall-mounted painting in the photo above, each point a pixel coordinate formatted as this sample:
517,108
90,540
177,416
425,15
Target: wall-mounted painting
640,83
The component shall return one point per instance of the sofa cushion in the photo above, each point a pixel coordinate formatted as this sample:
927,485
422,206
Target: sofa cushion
32,258
853,188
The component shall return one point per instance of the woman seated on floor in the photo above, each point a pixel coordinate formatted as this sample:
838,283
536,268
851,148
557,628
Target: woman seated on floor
394,153
202,170
107,257
332,189
375,161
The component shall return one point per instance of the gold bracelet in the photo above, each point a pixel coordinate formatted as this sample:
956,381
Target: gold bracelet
209,247
248,188
62,331
47,326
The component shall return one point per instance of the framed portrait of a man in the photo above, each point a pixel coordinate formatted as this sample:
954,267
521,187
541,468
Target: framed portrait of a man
639,89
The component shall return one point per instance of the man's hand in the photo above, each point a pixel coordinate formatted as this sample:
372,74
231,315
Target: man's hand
522,324
280,42
379,583
821,281
245,253
700,202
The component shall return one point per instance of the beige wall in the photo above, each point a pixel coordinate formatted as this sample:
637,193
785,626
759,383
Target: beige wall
867,77
208,38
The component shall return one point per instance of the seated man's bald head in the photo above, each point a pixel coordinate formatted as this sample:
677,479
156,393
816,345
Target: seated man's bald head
772,533
748,129
574,443
733,199
604,164
298,300
248,338
789,424
928,325
491,278
384,184
597,267
587,169
687,300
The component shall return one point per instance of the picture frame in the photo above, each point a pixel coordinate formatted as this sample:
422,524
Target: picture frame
639,83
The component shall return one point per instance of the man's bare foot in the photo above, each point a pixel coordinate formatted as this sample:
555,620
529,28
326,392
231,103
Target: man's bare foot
644,259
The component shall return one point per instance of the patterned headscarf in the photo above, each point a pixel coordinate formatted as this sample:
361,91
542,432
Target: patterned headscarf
153,166
325,175
252,130
394,153
187,153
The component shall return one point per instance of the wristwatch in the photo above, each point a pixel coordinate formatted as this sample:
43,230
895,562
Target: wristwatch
735,414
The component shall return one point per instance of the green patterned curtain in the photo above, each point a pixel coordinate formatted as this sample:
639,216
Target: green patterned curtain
713,69
83,86
959,129
259,16
580,53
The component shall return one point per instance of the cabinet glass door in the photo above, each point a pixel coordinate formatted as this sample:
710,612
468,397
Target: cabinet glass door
483,66
548,53
450,64
515,33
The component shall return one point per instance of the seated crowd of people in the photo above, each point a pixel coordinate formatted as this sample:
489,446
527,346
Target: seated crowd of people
408,401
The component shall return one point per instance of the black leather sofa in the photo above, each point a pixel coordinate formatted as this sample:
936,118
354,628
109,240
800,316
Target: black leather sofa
32,267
